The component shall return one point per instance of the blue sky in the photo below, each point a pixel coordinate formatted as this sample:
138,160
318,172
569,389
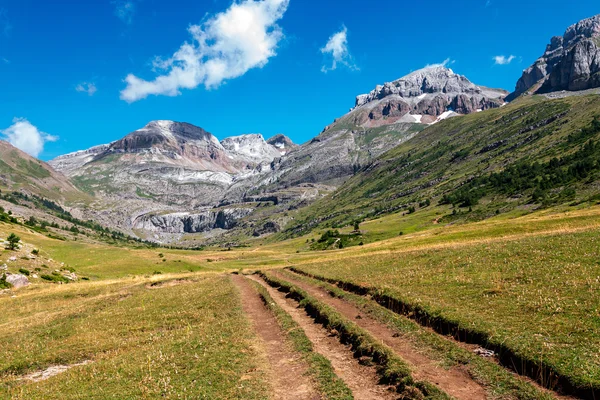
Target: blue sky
64,64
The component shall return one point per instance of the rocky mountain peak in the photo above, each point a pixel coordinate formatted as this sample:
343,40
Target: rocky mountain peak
282,143
424,96
570,62
164,135
428,80
250,146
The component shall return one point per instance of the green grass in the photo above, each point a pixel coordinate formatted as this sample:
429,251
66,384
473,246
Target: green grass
535,295
330,386
187,341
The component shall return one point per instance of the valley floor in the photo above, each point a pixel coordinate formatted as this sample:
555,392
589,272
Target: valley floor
506,308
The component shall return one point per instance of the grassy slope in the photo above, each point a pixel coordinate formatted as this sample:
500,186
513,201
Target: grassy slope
444,156
537,295
19,171
186,341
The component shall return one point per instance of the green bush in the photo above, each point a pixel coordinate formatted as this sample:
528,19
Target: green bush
24,271
3,283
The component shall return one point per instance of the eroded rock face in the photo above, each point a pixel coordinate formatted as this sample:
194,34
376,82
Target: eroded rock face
570,62
199,222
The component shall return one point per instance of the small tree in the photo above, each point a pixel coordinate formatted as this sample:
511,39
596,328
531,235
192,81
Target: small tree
356,226
13,241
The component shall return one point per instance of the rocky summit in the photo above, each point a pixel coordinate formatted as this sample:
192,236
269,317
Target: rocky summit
571,62
424,96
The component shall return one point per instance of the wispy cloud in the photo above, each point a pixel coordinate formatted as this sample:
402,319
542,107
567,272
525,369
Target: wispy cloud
488,3
225,46
125,9
27,137
337,49
5,25
446,63
87,87
5,60
503,60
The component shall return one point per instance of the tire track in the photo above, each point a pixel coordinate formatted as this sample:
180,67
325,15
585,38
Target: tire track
361,379
287,372
455,381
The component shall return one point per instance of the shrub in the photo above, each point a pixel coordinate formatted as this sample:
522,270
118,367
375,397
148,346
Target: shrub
35,252
3,283
55,278
13,242
24,271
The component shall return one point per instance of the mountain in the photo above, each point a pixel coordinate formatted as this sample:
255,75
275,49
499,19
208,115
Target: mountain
172,179
21,172
282,143
571,62
168,177
424,96
531,153
389,115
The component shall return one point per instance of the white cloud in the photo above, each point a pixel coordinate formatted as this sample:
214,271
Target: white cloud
503,60
447,62
225,46
124,9
337,48
86,87
25,136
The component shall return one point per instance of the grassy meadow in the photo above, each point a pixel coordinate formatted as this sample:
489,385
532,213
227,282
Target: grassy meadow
185,339
529,281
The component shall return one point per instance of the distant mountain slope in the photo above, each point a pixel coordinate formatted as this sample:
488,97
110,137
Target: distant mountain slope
389,115
531,152
570,62
165,172
21,172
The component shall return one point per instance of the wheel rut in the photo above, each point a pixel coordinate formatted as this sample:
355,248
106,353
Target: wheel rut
454,381
362,380
287,372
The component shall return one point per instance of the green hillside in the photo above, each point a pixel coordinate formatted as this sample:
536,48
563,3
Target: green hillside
532,153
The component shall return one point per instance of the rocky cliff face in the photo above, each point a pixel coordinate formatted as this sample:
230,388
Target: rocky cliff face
184,222
570,62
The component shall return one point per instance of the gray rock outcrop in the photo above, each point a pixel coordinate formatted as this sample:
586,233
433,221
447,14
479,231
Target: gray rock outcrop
17,280
571,62
180,223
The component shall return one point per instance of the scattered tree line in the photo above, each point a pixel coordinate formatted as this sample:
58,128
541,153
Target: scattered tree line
537,177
